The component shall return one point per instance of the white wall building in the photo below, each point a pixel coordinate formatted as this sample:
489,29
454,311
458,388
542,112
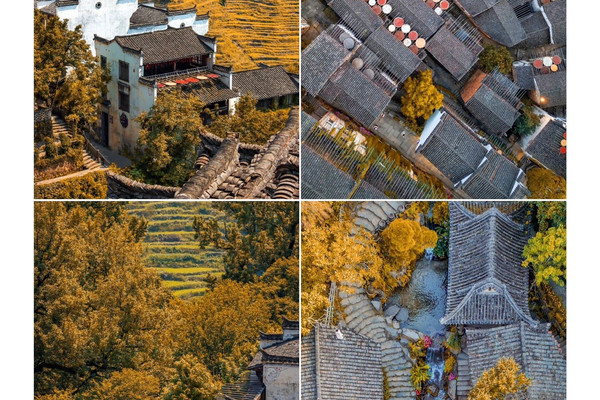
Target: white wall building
142,65
111,18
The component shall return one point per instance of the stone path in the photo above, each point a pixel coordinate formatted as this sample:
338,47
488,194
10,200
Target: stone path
374,216
362,317
73,175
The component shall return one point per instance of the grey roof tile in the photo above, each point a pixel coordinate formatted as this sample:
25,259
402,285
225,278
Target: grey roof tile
348,368
533,348
146,15
476,7
320,60
418,15
486,283
265,83
394,56
168,45
453,54
496,178
553,88
357,15
556,11
545,148
501,23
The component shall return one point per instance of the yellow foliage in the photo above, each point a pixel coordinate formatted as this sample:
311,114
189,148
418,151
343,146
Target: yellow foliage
547,253
449,364
441,212
252,32
404,241
544,184
421,98
505,378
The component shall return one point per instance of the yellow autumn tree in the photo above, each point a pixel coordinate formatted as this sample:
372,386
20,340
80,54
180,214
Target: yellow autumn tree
420,100
403,242
503,379
333,250
547,254
545,184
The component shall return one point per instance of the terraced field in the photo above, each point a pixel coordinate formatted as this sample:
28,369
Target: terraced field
171,248
252,31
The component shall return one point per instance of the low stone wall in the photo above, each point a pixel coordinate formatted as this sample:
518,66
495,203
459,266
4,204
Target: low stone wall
121,187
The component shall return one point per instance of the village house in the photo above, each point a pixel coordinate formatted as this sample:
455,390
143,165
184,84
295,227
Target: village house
475,167
111,18
547,146
487,294
494,100
273,372
145,64
338,364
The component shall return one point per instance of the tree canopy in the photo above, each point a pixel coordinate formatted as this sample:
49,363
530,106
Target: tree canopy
168,139
66,74
105,326
336,250
496,57
254,126
545,184
421,100
504,379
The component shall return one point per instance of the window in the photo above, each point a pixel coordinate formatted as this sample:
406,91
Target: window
123,97
103,62
98,5
124,71
182,25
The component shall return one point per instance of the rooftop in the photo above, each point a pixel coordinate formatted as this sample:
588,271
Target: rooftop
265,83
167,45
545,148
205,84
486,283
340,369
534,348
418,15
248,387
499,20
452,53
395,57
357,15
451,147
320,60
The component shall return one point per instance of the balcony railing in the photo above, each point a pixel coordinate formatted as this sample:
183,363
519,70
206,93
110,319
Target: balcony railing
176,73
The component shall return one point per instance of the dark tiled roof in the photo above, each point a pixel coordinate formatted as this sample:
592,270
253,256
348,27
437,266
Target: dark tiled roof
445,47
352,92
287,352
418,15
556,11
146,15
545,148
553,88
265,83
348,368
321,179
453,149
320,60
368,191
536,28
497,178
501,23
357,15
523,75
248,387
534,349
290,324
486,283
62,3
49,9
476,7
394,55
307,123
495,113
168,45
211,91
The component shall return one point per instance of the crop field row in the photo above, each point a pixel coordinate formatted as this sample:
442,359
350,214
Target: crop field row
250,32
171,248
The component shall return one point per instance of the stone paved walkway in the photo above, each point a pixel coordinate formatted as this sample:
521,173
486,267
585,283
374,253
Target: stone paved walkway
73,175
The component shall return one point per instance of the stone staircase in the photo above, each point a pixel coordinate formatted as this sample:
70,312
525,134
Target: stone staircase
375,216
89,162
59,126
362,317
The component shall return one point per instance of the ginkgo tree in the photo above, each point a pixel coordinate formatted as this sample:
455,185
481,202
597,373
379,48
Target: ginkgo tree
505,378
420,100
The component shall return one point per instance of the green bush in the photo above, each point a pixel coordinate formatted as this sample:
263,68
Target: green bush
50,148
496,57
89,186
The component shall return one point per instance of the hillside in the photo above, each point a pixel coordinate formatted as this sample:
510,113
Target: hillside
252,31
171,248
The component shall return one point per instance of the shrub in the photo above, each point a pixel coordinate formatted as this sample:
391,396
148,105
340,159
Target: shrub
503,379
90,186
449,364
545,184
453,342
419,374
50,148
